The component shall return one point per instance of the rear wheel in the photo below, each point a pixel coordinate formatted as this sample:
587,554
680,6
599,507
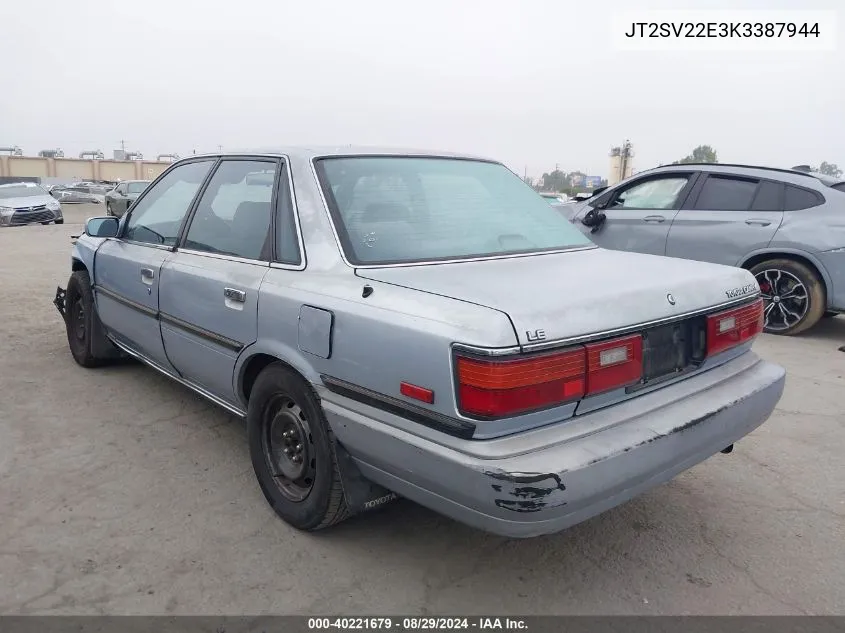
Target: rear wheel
60,221
108,209
293,451
793,295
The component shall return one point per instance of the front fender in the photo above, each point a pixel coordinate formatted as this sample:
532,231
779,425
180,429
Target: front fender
84,250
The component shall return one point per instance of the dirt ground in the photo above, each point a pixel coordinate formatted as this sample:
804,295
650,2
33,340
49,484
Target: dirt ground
123,493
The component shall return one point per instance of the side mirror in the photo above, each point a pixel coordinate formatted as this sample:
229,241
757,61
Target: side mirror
594,219
102,227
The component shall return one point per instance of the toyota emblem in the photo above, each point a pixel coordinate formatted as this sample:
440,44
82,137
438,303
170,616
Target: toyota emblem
670,298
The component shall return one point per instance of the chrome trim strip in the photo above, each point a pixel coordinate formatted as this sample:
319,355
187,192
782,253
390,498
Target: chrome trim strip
574,340
314,160
161,247
222,341
486,351
111,294
228,258
185,383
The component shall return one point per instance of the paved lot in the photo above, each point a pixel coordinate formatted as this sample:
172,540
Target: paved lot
121,493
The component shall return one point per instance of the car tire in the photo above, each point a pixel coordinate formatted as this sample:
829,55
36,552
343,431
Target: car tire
80,313
829,315
307,494
797,316
108,209
60,221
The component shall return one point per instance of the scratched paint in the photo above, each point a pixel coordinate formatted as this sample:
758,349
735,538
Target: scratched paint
526,497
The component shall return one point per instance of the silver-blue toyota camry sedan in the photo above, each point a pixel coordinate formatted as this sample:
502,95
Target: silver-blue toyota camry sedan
424,325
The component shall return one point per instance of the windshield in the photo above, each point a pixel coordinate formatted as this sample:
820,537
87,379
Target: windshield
21,191
136,187
403,210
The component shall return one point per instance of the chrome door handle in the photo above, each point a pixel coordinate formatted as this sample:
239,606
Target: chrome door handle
233,294
654,218
147,273
758,222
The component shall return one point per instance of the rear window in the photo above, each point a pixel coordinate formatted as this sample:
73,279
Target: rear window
405,209
839,187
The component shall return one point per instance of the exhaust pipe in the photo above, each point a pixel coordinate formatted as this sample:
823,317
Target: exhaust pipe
729,449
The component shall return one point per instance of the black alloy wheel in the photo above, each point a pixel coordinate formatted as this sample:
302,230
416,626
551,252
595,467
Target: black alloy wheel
793,296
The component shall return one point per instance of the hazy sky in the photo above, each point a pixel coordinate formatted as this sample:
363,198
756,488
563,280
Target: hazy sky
533,83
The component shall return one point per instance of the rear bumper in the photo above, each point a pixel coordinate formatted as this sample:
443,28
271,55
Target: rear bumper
548,479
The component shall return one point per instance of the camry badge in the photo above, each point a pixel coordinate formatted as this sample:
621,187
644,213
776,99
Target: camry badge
671,299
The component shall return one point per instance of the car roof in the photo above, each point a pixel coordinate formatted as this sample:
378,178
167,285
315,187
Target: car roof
791,176
310,152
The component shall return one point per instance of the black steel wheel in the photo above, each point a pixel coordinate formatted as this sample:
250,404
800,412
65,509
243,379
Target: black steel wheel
288,447
293,450
793,296
79,315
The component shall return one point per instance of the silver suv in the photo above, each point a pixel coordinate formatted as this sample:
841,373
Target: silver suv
786,226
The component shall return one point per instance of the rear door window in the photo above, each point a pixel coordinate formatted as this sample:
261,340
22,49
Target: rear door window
768,197
234,214
723,193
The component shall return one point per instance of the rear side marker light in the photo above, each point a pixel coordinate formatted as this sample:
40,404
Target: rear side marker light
734,327
417,393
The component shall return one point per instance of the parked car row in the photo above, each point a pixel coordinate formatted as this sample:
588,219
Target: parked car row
786,226
425,325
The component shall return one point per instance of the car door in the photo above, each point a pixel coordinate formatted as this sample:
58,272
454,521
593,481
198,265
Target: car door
127,268
726,217
638,214
209,287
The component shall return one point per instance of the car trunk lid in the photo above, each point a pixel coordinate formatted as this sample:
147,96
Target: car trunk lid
577,294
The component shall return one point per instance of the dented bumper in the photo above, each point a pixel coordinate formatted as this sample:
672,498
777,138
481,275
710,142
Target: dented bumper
545,480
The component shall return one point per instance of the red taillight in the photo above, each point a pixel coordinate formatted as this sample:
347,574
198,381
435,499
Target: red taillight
497,388
501,387
733,327
614,364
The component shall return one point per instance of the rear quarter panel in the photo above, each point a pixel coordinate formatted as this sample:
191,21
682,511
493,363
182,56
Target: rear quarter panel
394,335
818,235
